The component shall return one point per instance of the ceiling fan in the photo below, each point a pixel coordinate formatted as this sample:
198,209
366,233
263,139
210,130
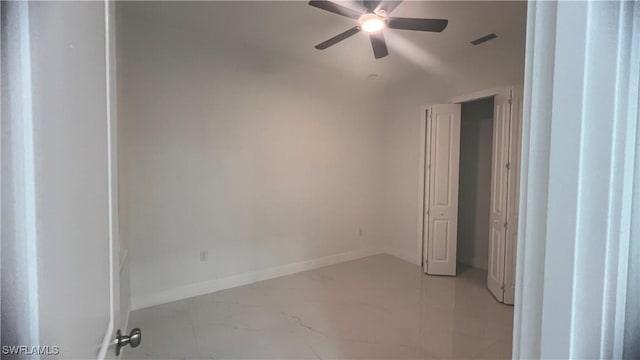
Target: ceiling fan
374,20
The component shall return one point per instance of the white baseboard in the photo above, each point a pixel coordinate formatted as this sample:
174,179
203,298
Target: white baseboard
142,301
408,257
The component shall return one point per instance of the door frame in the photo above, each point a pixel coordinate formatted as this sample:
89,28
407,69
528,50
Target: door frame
106,348
422,194
573,257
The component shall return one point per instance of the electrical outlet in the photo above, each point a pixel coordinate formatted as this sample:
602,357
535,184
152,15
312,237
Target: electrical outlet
204,255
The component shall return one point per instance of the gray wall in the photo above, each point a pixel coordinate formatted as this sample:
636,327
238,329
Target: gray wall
405,101
476,134
260,167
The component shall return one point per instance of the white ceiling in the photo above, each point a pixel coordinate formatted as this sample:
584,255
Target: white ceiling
282,35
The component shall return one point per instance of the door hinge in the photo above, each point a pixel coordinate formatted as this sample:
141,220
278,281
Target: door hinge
427,212
502,287
429,166
510,101
508,165
505,224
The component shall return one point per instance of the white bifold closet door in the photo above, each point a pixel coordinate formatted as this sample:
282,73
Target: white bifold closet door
442,160
498,203
513,188
505,190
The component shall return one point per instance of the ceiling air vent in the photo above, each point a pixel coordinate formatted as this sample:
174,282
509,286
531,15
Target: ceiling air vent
484,39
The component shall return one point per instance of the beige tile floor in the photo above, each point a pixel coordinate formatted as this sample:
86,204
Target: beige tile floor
378,307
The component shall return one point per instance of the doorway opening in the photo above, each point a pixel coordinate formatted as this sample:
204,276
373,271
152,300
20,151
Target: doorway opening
476,139
471,187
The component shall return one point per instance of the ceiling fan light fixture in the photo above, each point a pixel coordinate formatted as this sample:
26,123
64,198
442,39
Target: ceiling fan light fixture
371,23
374,21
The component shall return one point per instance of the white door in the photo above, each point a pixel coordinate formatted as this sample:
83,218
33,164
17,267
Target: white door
443,165
66,159
515,144
427,180
498,203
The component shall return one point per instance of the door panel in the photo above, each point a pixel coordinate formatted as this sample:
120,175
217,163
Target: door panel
499,183
515,145
495,252
444,160
74,174
440,231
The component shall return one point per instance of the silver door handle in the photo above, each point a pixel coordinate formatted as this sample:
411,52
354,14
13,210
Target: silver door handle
133,339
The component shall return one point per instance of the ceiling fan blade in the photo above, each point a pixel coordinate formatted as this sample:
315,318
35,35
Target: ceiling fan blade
388,5
335,8
434,25
371,5
379,45
336,39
